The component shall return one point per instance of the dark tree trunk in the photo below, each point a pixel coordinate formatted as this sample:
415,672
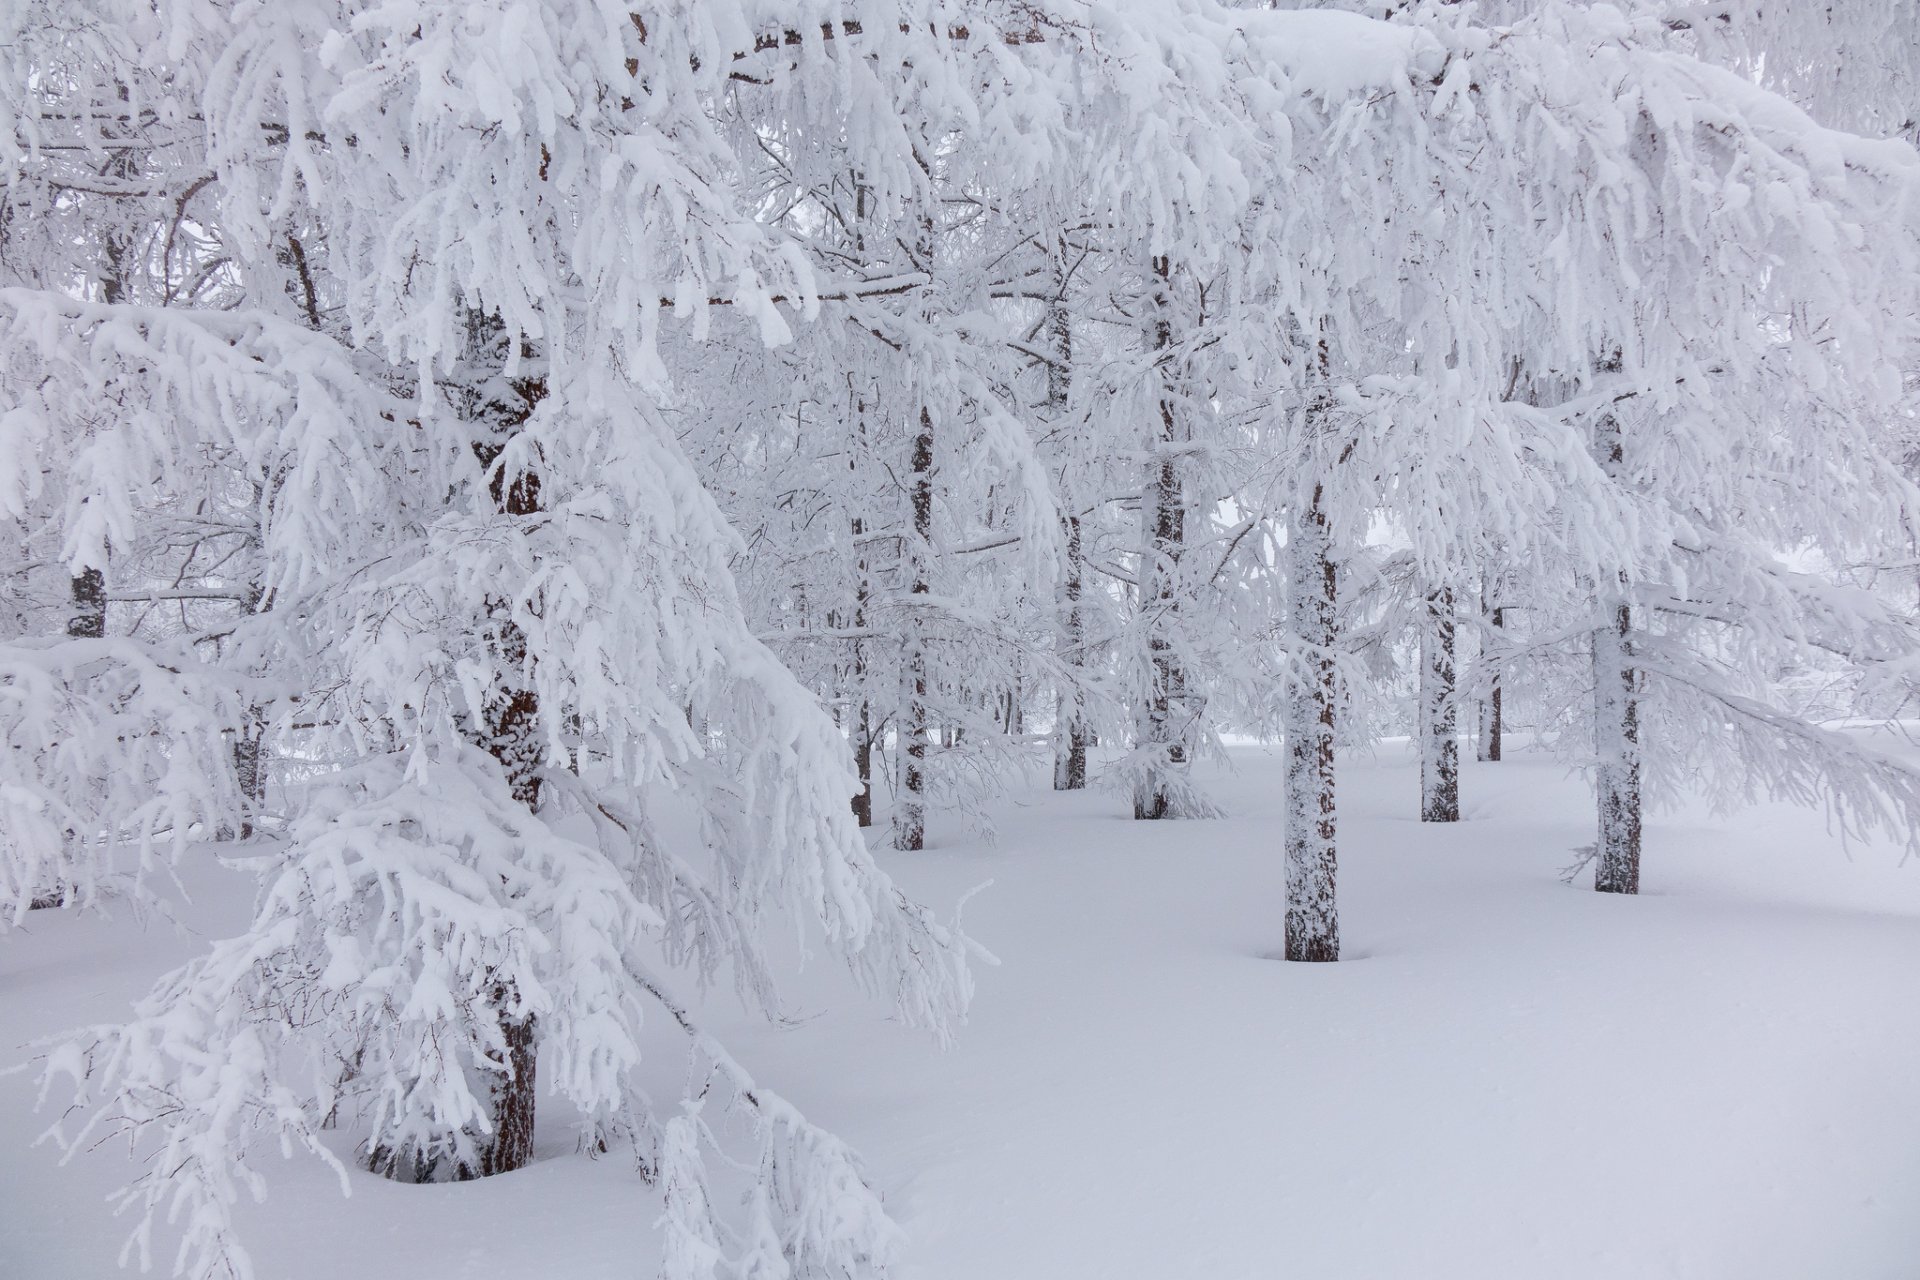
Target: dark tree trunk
1492,714
1160,729
87,619
1069,722
863,764
910,814
510,731
1313,919
1070,726
511,1094
1616,710
1616,733
1439,745
861,733
862,730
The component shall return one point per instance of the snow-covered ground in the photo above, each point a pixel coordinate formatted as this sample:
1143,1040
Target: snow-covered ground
1507,1079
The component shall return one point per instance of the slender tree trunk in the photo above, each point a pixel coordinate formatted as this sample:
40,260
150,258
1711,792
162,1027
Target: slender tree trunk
248,752
863,763
858,385
1070,727
910,814
1313,920
1616,713
862,729
88,588
1159,719
1616,733
1069,722
1492,714
1439,744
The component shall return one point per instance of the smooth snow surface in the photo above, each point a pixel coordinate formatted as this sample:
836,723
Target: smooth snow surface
1507,1078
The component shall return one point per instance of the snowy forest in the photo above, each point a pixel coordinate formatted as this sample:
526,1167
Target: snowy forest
959,639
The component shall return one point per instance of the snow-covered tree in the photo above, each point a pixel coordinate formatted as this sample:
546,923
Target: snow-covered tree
594,443
503,612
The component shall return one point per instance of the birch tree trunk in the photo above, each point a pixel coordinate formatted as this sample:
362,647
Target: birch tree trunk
861,731
1439,745
1070,728
1069,722
1492,713
249,747
1616,711
1313,920
1616,741
910,813
1159,735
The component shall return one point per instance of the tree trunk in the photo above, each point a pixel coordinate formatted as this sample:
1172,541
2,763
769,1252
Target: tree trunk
1313,920
87,619
250,769
510,732
1492,716
862,731
1439,745
1070,728
1616,711
510,1095
1616,741
1069,721
1160,715
863,764
910,814
249,749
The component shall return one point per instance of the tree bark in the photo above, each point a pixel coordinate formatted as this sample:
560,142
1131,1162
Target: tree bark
248,752
1069,722
250,769
1159,732
511,1094
1070,727
863,763
1492,713
87,619
1439,745
1313,920
1616,712
862,730
1616,734
509,731
863,584
910,813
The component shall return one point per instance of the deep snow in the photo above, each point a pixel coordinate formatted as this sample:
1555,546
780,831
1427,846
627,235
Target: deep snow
1507,1077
